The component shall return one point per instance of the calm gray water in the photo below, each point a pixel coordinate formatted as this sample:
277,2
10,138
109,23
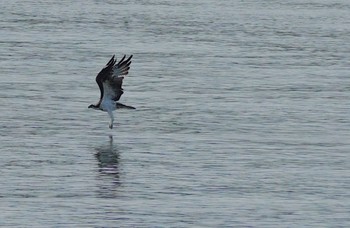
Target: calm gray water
242,114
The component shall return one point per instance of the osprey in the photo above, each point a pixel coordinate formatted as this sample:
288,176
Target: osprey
110,80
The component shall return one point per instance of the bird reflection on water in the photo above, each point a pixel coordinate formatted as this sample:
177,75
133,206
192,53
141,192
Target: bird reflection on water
108,158
108,169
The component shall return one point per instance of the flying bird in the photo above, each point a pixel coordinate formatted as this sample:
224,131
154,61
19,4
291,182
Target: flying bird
110,80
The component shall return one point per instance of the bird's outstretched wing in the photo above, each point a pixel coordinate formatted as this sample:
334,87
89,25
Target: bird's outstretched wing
110,78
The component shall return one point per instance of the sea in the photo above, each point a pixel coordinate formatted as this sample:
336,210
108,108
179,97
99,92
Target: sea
242,114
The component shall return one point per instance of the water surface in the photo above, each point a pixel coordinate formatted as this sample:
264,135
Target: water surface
242,114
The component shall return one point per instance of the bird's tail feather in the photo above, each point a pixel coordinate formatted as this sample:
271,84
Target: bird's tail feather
120,106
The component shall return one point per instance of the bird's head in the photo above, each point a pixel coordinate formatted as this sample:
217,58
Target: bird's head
93,106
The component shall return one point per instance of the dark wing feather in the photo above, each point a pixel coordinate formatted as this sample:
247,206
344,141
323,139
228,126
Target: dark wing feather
104,74
115,84
110,79
122,67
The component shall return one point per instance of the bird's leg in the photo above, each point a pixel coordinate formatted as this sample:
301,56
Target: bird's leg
110,113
